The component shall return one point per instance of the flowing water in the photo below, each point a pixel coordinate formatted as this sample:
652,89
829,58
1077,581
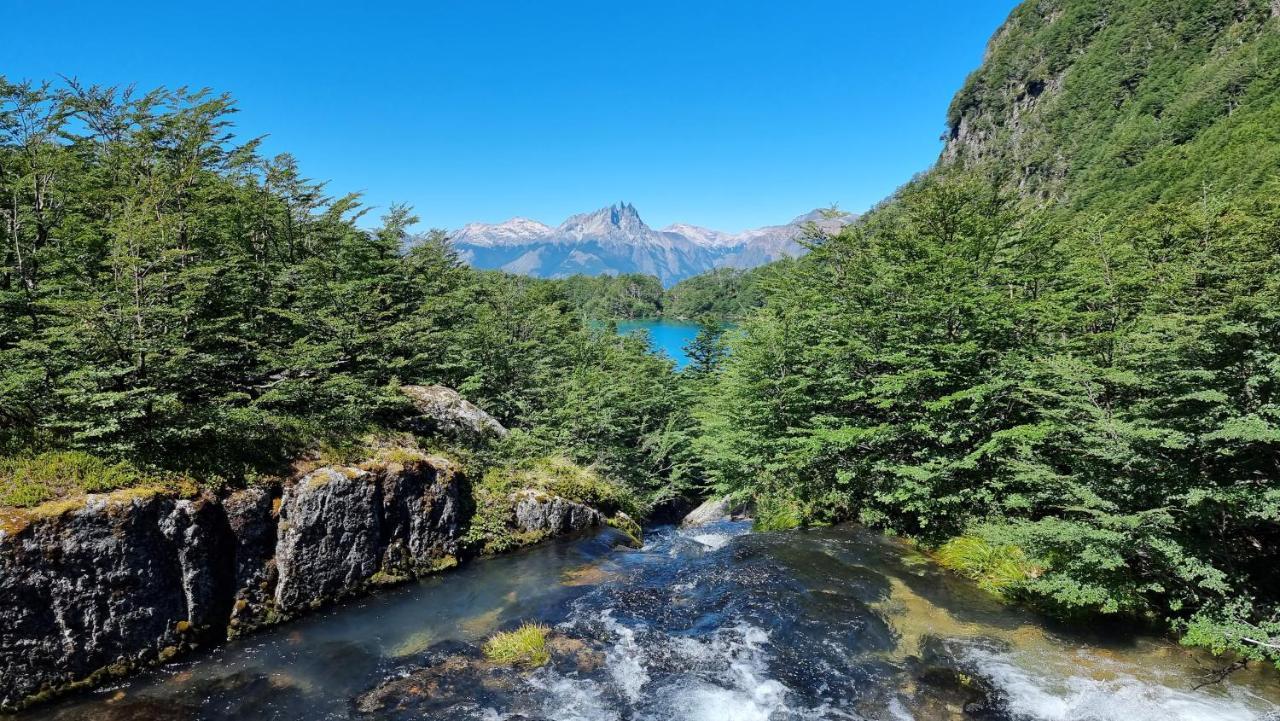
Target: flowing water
714,624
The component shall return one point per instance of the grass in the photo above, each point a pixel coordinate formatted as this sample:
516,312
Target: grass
998,568
30,480
525,646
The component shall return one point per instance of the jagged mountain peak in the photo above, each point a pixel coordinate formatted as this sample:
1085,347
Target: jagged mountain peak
615,239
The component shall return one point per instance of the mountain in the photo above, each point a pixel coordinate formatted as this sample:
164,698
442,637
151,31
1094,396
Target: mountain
616,240
1104,106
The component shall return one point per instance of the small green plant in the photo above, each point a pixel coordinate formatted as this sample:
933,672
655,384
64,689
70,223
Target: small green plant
998,568
525,646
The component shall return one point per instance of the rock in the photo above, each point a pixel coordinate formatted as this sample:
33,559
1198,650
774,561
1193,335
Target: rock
327,544
442,411
538,512
251,516
713,510
95,590
421,512
201,537
672,510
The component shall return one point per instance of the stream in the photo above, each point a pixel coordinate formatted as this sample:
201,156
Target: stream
709,624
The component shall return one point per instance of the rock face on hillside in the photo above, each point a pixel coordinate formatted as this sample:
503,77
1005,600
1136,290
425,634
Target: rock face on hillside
94,589
442,410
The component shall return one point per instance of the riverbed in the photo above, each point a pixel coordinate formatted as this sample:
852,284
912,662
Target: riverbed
710,624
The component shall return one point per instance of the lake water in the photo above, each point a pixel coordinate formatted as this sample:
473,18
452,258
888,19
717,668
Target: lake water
666,336
708,624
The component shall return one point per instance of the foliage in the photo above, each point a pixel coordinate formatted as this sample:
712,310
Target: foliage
171,298
492,531
607,297
724,294
524,646
1101,395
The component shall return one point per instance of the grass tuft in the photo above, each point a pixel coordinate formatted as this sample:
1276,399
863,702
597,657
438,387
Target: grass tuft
525,646
999,569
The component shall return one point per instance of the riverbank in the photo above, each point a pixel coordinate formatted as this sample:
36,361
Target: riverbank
96,587
709,623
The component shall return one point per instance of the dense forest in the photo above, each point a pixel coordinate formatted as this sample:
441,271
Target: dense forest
723,295
174,302
1055,358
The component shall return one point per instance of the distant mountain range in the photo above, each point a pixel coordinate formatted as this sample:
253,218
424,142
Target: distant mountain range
615,240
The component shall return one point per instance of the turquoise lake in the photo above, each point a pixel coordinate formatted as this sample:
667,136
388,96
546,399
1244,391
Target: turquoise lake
665,336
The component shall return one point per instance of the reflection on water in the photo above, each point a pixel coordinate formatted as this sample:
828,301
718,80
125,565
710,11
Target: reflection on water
713,624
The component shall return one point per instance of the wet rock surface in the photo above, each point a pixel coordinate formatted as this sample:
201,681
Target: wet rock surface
713,510
455,677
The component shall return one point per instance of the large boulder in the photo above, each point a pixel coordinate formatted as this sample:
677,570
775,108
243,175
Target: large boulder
328,539
442,411
92,589
95,587
713,510
544,514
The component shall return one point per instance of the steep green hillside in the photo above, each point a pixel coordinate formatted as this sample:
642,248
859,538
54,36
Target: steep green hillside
1104,104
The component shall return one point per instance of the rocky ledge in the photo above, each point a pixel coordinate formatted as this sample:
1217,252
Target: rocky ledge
96,587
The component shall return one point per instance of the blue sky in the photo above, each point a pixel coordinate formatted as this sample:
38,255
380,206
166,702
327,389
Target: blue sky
724,114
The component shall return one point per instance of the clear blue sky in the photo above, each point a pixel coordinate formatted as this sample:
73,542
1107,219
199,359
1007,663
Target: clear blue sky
724,114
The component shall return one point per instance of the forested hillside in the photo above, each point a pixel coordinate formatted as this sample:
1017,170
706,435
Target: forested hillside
174,301
1055,358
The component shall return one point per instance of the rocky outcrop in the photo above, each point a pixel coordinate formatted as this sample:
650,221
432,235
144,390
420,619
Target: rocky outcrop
95,588
543,514
441,411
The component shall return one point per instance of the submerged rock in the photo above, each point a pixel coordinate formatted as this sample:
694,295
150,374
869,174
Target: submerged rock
456,675
443,411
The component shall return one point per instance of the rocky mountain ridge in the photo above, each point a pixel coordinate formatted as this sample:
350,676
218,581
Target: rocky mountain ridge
616,240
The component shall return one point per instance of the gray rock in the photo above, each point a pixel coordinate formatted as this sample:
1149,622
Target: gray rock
442,411
539,512
328,538
92,591
251,518
96,588
198,532
421,512
713,510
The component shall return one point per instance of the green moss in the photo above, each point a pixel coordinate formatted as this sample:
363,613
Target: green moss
997,568
525,646
628,525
